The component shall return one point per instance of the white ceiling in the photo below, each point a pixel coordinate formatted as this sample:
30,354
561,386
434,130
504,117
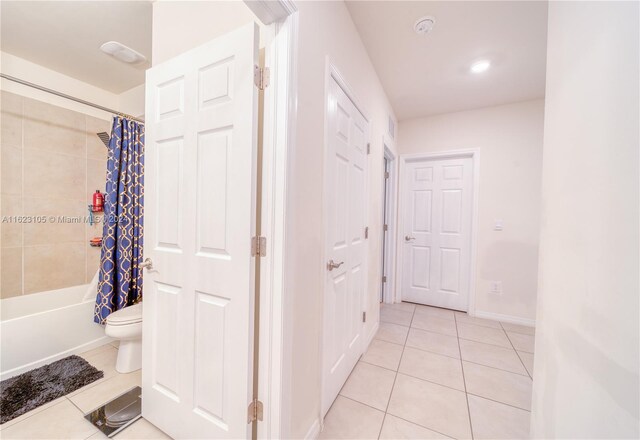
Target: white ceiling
66,37
429,74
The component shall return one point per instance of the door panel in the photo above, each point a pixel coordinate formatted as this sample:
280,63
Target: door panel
346,213
437,226
200,200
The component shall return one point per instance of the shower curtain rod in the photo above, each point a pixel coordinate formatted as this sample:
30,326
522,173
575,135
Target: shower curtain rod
64,95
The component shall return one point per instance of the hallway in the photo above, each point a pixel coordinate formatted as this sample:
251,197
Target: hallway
433,373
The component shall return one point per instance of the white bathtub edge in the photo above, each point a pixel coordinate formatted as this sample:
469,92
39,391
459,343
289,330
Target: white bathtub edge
40,362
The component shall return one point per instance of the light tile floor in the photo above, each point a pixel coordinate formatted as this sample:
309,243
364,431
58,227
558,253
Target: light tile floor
63,418
428,374
433,373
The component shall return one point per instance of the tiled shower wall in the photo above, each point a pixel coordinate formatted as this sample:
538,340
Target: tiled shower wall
52,162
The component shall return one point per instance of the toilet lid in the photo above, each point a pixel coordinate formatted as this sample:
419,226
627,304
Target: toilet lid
128,315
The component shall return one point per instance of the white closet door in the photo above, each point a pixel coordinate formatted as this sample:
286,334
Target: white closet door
437,232
346,176
200,184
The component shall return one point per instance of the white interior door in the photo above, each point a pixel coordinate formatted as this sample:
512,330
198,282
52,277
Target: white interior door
201,112
437,232
345,174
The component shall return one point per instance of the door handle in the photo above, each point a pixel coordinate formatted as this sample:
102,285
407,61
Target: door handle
147,263
331,265
409,238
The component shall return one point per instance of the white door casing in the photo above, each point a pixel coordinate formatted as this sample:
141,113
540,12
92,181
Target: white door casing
198,315
346,213
436,226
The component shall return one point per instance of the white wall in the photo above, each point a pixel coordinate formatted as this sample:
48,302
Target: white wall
182,25
509,138
131,101
325,29
585,382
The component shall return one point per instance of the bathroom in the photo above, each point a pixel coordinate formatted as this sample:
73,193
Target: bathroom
55,166
93,210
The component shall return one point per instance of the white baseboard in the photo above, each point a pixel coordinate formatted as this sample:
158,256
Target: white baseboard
371,335
314,431
505,318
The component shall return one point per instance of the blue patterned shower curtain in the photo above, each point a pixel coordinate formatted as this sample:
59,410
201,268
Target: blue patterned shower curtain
120,281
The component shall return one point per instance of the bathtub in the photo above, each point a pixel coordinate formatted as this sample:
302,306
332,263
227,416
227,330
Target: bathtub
43,327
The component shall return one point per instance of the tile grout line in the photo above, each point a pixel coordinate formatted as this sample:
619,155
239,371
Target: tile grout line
448,357
357,401
517,354
76,406
497,401
395,377
471,362
422,426
458,338
398,417
464,380
451,357
62,398
397,372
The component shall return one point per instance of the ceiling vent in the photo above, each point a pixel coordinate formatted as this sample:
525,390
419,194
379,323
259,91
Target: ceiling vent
424,25
122,53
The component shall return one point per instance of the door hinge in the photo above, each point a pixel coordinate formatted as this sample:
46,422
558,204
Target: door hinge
255,411
368,148
385,228
386,174
364,316
384,279
259,246
261,76
366,232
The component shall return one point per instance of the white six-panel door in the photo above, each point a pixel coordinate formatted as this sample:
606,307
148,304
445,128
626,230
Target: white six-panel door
200,185
345,174
437,232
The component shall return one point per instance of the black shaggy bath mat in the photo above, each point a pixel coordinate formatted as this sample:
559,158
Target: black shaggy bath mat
29,390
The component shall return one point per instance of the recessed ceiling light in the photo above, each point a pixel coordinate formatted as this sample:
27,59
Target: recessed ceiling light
424,25
122,52
480,66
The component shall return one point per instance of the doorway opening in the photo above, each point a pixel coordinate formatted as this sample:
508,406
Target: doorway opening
388,225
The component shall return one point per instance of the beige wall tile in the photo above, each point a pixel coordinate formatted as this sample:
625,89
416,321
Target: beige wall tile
11,231
95,148
96,177
52,128
11,263
56,231
53,266
94,230
93,262
52,163
10,119
56,175
11,169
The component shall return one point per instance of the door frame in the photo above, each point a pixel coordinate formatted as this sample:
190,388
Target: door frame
332,73
474,154
389,255
280,18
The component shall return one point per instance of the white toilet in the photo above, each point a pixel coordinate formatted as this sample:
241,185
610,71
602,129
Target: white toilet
126,325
